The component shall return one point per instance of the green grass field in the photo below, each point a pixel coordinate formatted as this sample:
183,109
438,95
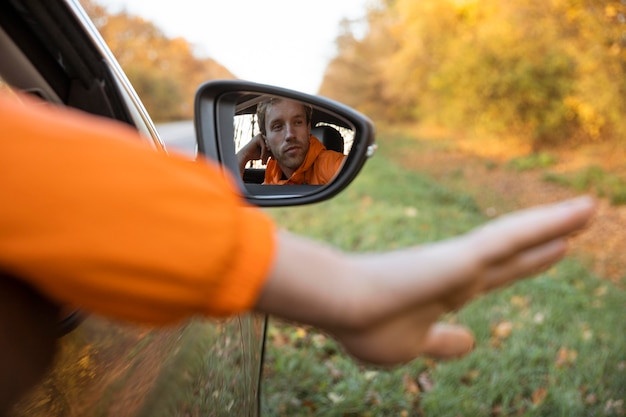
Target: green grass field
551,346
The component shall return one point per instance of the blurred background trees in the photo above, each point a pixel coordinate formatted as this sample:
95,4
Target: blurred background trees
164,71
550,71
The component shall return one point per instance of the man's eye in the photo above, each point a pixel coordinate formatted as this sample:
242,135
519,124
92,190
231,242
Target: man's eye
276,127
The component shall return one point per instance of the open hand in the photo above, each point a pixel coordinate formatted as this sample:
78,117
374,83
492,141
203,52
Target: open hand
384,307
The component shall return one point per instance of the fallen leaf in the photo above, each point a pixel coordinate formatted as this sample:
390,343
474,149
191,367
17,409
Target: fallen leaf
373,398
300,333
502,330
614,407
425,383
370,375
430,363
366,201
279,340
309,404
319,340
335,398
519,301
565,357
539,395
409,384
591,399
470,377
334,372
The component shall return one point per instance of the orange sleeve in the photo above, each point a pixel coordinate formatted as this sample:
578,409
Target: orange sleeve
95,218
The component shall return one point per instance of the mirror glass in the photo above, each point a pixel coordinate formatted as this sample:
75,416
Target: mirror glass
284,147
283,141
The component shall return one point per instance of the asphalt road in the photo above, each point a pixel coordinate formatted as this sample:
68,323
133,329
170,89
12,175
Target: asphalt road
179,137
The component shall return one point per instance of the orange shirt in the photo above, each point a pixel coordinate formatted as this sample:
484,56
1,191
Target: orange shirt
93,217
319,167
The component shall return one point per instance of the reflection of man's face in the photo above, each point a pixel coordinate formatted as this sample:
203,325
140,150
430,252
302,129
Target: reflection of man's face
287,134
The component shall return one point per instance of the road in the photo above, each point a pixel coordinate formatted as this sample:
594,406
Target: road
179,137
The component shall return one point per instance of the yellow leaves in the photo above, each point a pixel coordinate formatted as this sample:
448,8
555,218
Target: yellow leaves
610,11
590,120
164,70
300,333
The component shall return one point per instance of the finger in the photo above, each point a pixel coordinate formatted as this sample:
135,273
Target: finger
525,264
447,341
527,228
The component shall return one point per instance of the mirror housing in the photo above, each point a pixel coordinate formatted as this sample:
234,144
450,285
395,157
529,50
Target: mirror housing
218,103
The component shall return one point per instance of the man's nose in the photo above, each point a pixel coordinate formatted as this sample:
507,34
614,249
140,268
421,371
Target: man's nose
290,131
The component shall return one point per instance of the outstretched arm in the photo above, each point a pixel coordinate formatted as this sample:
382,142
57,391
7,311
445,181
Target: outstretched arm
367,300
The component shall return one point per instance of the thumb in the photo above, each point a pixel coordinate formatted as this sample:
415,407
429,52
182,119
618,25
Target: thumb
446,341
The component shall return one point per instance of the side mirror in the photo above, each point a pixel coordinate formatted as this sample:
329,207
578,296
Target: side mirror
295,126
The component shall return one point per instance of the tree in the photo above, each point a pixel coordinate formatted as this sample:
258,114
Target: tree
355,76
164,71
552,71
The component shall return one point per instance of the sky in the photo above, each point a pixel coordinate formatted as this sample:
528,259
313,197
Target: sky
286,43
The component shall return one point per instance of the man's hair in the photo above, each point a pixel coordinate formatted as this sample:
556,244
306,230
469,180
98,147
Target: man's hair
264,106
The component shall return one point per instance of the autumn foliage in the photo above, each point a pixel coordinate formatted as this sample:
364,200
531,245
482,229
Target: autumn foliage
550,71
164,71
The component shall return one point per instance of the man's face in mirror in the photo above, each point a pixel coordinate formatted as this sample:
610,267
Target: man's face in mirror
287,131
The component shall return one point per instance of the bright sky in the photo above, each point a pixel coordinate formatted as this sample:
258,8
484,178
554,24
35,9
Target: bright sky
287,43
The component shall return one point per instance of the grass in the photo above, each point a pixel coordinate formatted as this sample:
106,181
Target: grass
539,160
593,178
209,374
386,207
551,346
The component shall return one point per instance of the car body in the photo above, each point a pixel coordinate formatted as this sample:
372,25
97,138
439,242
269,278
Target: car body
52,50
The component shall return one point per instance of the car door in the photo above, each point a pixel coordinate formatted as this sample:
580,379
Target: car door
201,367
